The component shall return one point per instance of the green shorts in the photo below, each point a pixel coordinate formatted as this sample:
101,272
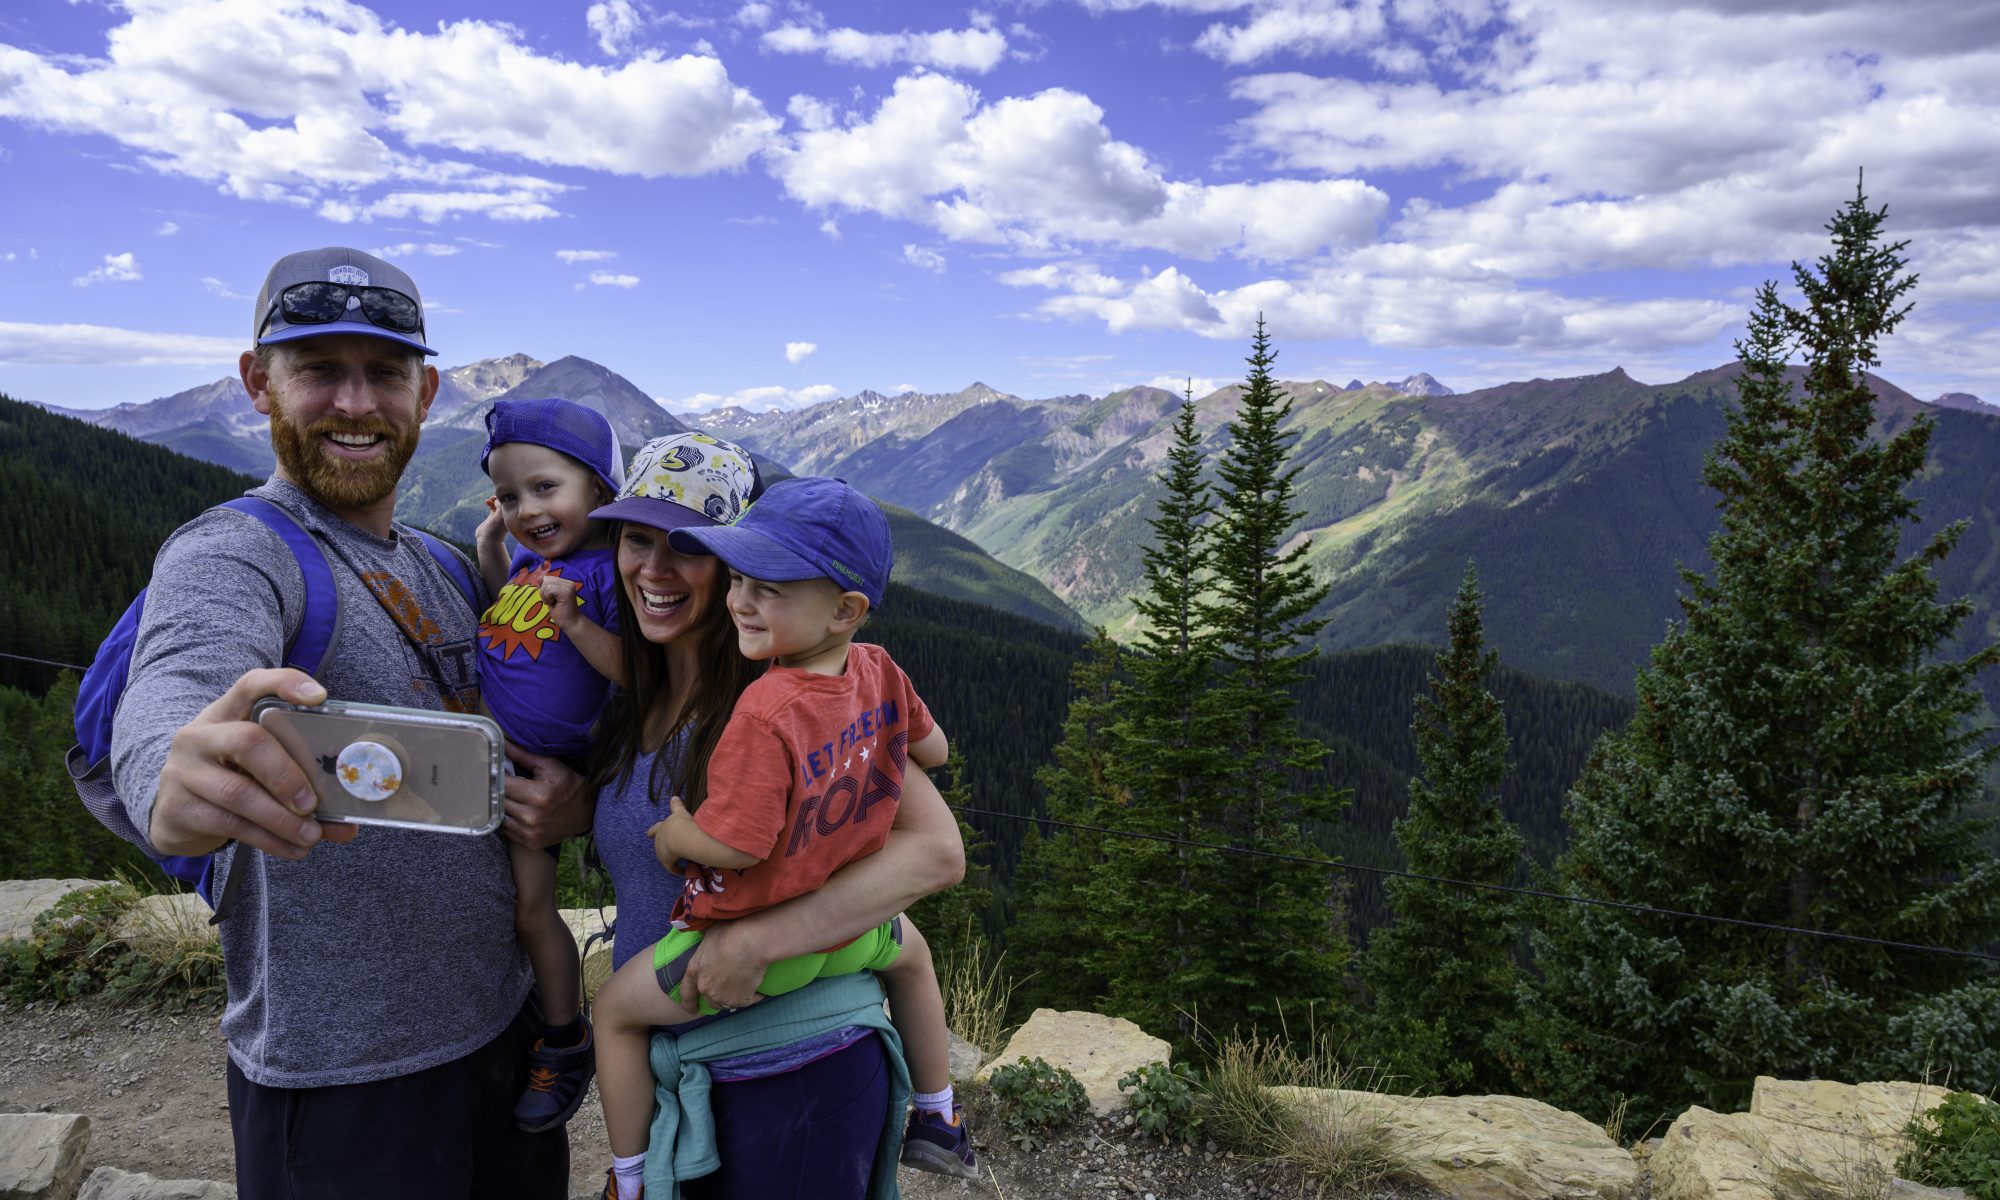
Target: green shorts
872,951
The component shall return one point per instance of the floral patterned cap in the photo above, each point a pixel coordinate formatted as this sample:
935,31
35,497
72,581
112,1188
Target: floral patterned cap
683,480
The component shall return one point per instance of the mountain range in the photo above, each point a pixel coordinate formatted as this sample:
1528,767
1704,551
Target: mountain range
1577,498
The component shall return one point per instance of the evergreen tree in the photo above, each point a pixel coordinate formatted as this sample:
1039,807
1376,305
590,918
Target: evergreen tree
1443,974
1284,945
1172,759
1800,756
1058,938
953,919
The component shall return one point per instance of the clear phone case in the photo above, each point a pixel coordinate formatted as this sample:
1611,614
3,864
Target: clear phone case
375,764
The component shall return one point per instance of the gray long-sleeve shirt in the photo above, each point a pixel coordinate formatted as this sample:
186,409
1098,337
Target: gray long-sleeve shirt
364,961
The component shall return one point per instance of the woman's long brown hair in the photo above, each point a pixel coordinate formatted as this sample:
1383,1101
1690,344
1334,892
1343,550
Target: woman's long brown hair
721,674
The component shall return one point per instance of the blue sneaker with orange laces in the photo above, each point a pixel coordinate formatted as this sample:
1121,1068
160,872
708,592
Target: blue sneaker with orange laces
557,1080
936,1143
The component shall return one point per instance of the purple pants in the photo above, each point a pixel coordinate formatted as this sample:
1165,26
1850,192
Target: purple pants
806,1133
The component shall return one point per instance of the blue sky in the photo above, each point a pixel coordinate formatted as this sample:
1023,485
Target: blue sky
774,203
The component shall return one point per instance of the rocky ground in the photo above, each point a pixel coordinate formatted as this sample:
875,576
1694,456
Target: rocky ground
152,1086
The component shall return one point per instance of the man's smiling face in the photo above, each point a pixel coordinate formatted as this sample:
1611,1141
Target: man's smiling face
345,413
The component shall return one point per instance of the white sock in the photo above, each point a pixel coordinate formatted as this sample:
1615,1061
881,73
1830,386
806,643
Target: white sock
937,1102
629,1172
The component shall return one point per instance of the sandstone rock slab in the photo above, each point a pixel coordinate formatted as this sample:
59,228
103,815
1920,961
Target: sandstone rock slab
1810,1137
110,1183
1484,1147
41,1155
1098,1050
22,900
583,924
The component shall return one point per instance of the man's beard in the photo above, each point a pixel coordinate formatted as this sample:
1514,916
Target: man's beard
340,483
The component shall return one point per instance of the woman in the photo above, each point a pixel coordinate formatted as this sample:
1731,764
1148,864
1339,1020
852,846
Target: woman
794,1119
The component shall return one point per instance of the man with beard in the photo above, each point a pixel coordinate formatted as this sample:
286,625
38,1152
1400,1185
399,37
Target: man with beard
375,1022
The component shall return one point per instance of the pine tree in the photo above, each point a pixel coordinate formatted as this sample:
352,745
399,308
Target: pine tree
1172,760
1285,944
1443,973
1800,756
1057,941
953,919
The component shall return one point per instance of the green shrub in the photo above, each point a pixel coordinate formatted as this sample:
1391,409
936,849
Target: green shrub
74,951
1037,1098
1163,1099
1956,1144
70,949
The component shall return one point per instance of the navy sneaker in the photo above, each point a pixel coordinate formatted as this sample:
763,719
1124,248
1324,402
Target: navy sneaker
557,1080
932,1143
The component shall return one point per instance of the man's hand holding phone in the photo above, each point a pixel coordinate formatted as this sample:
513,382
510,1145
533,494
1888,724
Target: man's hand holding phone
226,778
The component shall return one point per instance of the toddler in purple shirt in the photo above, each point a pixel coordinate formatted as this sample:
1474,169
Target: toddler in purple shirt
548,655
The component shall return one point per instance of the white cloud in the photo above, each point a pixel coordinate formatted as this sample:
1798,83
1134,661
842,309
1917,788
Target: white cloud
1179,384
1343,302
102,345
796,352
900,388
414,249
753,16
1041,172
576,256
166,229
219,288
830,228
977,49
1303,27
923,256
171,90
758,399
615,24
810,113
116,268
608,279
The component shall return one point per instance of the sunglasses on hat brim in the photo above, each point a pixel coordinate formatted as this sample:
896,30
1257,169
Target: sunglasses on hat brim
317,302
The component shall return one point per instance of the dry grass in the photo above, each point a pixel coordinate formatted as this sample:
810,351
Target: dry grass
976,993
1343,1148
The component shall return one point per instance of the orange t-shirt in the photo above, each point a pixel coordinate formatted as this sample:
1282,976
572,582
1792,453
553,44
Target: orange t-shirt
806,776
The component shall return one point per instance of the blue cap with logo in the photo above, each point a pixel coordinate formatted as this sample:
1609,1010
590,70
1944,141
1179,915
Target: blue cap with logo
337,289
805,528
561,425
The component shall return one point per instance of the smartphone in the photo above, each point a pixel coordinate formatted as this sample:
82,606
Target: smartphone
375,764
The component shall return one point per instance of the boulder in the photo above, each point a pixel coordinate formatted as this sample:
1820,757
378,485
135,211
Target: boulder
1484,1147
110,1183
1800,1138
965,1059
161,924
41,1155
584,923
1098,1050
22,900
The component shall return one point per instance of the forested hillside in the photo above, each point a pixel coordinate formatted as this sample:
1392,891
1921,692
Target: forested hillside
85,511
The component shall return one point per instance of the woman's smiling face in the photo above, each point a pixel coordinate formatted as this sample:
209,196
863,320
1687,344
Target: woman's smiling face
670,592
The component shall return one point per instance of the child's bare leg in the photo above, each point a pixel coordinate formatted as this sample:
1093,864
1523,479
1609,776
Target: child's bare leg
917,1008
547,940
629,1004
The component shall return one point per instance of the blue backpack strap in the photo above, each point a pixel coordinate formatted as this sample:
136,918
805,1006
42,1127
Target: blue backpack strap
454,566
321,617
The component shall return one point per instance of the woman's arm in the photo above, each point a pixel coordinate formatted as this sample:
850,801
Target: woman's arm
922,855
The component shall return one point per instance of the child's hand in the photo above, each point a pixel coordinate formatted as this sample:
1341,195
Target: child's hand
492,528
668,859
560,595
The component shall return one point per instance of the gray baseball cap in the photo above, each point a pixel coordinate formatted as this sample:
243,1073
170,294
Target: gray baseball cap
355,293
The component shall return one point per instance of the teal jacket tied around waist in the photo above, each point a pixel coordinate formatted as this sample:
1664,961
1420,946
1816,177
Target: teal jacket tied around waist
683,1145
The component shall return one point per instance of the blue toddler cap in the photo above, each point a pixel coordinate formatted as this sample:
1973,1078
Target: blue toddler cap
561,425
805,528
